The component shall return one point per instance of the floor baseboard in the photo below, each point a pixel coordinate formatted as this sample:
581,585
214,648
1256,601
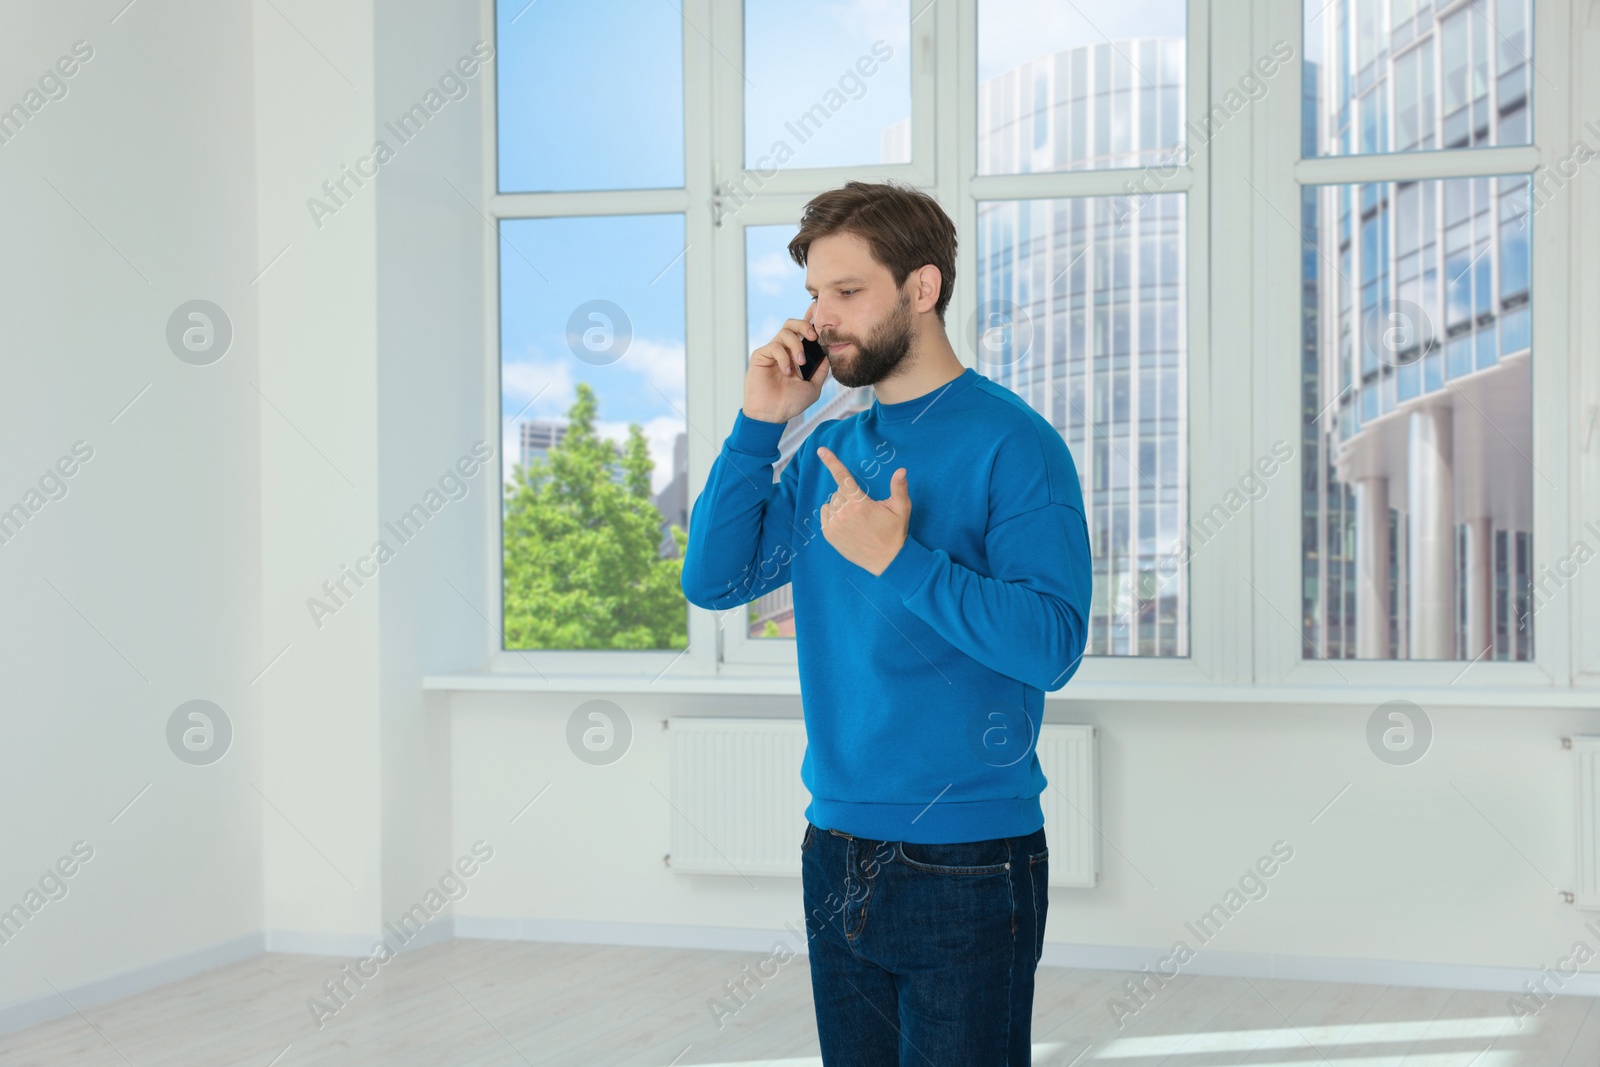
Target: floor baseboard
26,1013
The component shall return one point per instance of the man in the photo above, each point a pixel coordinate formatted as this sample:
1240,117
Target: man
926,633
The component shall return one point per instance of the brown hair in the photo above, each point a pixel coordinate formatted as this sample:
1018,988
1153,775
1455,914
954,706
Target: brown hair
905,228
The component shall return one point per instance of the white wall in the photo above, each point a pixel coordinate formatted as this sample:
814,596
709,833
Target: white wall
181,560
1444,861
433,381
319,463
141,588
373,328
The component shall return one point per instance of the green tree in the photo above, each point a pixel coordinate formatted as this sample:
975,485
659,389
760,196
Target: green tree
583,564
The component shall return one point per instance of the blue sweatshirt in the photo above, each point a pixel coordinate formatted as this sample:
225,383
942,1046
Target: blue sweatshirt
922,687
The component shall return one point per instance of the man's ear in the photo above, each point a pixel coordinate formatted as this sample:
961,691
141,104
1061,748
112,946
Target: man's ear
929,281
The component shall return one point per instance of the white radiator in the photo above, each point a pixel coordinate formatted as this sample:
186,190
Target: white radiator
1069,757
738,806
1586,751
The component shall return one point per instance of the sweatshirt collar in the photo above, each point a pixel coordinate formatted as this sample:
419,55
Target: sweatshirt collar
908,410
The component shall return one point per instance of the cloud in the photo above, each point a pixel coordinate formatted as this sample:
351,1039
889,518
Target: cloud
868,20
764,332
548,380
655,368
660,364
659,433
774,272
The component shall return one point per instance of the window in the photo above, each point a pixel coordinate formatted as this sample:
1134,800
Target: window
1080,306
1074,92
826,85
592,368
1429,74
1417,357
1080,300
1206,242
619,124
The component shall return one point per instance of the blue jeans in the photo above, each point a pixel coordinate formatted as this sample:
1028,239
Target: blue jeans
924,954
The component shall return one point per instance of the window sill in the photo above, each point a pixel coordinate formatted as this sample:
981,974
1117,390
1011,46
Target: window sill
1073,694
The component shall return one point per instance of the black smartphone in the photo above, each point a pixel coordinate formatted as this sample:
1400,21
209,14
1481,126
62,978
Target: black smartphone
815,354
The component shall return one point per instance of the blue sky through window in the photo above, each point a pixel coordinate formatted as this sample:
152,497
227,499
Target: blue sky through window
853,59
549,269
590,95
1011,32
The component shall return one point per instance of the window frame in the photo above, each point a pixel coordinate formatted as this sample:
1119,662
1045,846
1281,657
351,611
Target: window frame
1280,173
550,667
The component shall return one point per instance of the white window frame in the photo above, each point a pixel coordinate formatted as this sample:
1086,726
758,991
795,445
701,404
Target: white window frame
1583,230
1248,576
1278,174
944,37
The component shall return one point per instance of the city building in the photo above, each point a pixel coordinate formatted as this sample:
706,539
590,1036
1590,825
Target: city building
539,436
1081,313
673,500
1417,401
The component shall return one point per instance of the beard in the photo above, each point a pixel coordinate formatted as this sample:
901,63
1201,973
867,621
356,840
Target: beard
880,354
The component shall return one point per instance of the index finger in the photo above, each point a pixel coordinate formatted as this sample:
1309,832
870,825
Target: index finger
840,475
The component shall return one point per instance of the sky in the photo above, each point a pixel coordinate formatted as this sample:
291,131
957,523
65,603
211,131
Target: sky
1011,32
549,269
795,54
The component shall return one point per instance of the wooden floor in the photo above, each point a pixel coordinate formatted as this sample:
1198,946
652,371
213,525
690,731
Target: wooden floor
520,1003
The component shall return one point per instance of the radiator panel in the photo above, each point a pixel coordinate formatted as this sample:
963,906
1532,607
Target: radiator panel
1586,753
738,802
738,805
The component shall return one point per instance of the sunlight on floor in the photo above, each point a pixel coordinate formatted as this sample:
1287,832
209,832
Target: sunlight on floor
1047,1049
1300,1037
1323,1038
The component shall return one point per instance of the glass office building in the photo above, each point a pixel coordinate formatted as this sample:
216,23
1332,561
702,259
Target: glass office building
1081,313
1417,506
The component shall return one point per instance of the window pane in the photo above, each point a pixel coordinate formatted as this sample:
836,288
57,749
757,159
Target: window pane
1065,86
1416,470
590,95
775,290
1081,314
826,85
1456,81
595,445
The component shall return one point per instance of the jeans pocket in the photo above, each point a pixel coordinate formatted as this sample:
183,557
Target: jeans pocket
811,833
1039,881
962,857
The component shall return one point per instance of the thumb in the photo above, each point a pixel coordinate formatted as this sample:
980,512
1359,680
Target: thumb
900,491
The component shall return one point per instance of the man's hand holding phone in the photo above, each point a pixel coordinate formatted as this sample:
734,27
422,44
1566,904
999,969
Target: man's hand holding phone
775,385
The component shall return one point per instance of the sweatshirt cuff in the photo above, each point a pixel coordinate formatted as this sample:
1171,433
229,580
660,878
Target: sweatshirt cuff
753,436
909,568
